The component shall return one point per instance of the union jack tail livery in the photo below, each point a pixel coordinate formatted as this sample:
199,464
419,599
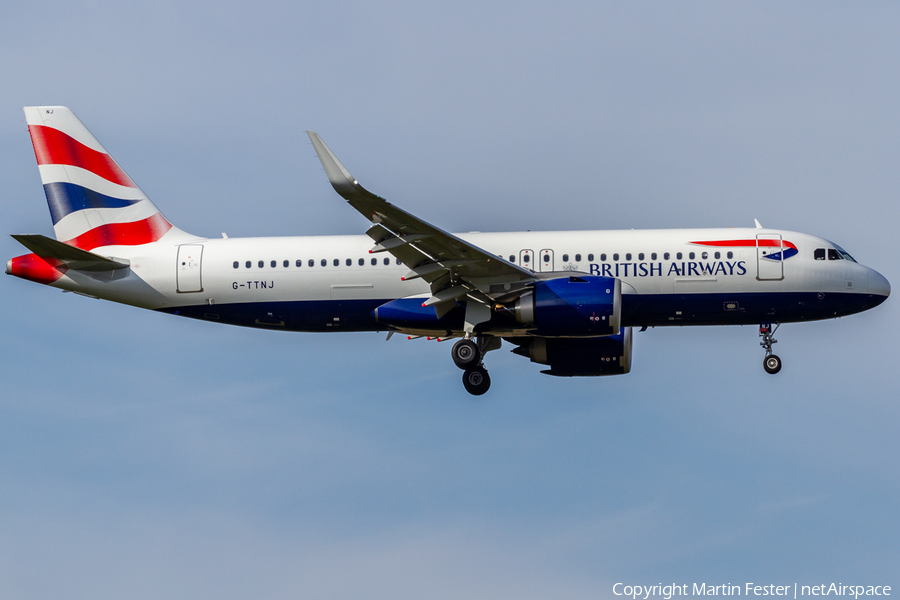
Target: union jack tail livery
92,202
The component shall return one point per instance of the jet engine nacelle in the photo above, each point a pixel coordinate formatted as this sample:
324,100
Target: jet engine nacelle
572,307
584,357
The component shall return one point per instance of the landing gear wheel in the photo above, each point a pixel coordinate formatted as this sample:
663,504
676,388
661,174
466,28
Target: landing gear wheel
772,364
476,380
466,354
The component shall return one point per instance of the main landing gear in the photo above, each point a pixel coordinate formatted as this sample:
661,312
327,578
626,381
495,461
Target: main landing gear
476,380
771,363
467,355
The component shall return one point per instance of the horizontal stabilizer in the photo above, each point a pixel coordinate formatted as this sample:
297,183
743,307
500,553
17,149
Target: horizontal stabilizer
70,256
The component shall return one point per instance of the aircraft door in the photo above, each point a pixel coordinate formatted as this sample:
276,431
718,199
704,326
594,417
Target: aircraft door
546,261
771,269
526,259
188,268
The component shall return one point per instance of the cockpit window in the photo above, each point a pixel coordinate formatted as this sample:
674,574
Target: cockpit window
844,253
819,254
834,254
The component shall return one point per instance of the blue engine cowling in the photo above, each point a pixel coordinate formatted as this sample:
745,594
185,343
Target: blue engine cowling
572,307
585,357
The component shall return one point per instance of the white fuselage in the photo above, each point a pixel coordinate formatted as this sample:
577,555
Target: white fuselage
663,273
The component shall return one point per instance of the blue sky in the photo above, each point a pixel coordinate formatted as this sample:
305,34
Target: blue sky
147,456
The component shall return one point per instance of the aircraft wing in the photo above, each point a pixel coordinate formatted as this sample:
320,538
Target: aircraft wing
454,267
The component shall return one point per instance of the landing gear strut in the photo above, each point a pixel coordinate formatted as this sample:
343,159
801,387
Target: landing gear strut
771,363
467,354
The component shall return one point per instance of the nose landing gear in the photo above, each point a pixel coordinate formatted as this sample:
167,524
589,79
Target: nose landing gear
771,363
467,355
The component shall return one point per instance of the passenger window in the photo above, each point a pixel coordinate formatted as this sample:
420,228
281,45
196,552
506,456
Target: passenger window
834,254
362,261
628,256
641,256
718,255
653,256
248,263
705,255
819,254
387,261
526,258
348,262
666,256
512,258
374,261
616,257
691,255
299,263
602,258
590,258
272,264
337,262
323,262
287,263
261,264
678,256
399,262
546,258
236,264
311,263
565,258
730,254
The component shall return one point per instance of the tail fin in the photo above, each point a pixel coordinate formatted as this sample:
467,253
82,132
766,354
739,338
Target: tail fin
93,203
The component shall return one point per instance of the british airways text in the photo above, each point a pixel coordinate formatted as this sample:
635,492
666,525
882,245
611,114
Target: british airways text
677,269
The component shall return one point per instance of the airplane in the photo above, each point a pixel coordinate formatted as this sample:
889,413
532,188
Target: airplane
568,300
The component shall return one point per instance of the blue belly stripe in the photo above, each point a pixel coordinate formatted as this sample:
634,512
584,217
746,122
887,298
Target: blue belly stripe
655,310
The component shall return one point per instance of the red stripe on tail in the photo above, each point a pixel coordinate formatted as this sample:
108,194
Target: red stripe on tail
123,234
53,147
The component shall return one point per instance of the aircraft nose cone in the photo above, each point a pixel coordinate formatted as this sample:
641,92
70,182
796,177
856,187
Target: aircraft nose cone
878,284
